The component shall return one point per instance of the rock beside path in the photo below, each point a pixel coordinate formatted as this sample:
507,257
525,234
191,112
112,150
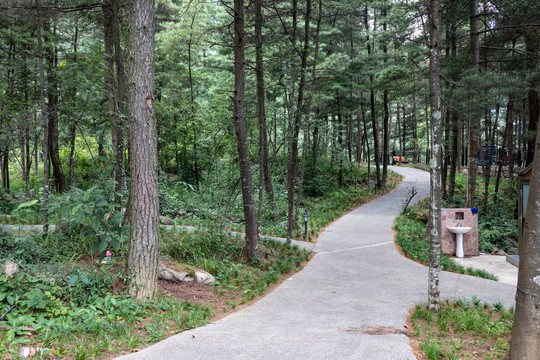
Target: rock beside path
201,276
10,268
165,220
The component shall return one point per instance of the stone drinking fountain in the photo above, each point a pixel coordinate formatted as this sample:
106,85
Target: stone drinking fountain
460,232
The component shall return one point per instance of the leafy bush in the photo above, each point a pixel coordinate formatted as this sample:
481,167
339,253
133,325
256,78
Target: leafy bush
21,249
93,213
6,205
317,184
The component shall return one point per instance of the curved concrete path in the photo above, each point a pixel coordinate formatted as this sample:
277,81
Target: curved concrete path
356,284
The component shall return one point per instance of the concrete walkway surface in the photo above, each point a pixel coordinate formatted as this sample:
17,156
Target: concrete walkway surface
493,264
356,284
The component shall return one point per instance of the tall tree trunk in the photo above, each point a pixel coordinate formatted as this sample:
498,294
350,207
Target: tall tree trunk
52,111
22,144
73,128
525,343
474,121
252,238
143,253
506,144
192,101
45,122
445,153
490,156
386,120
72,139
455,120
308,100
398,125
339,148
510,135
367,148
534,111
261,114
372,103
436,133
531,43
36,133
415,132
455,151
520,134
359,142
428,142
110,84
266,165
120,99
28,158
315,147
4,164
292,163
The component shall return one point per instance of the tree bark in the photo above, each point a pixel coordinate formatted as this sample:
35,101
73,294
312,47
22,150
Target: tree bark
386,120
252,239
359,143
261,112
292,163
525,344
192,103
455,152
474,121
372,103
46,169
415,132
436,133
143,255
531,43
72,132
398,125
489,157
308,100
445,153
510,134
506,144
118,120
52,110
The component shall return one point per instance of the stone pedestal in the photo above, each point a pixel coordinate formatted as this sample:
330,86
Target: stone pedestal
463,217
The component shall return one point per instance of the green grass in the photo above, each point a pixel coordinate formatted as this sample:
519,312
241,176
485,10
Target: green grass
463,328
222,255
78,308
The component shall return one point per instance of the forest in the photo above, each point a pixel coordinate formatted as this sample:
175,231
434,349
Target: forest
254,114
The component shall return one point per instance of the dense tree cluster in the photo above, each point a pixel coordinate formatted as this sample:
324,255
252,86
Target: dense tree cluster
322,81
343,81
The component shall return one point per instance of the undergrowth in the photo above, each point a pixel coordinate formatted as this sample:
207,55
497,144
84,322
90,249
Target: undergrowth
68,301
222,255
463,330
